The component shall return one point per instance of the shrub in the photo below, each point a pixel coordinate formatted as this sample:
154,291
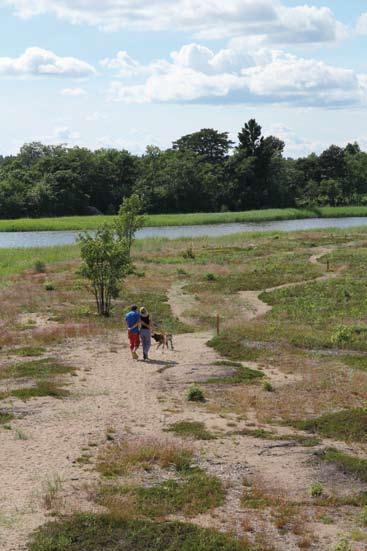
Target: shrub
316,489
195,394
189,253
39,267
268,386
364,516
49,286
342,335
343,545
210,277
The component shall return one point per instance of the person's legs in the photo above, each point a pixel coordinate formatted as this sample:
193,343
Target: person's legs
145,339
134,341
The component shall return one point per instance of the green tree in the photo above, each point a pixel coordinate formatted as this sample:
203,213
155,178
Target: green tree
211,145
106,263
130,219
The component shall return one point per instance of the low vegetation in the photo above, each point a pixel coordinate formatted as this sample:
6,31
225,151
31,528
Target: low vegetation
191,429
107,533
193,494
123,457
347,463
241,375
348,425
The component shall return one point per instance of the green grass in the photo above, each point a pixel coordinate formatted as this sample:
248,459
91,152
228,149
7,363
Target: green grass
355,361
5,417
91,222
261,273
14,261
347,425
241,375
104,533
42,388
191,429
347,463
230,344
196,493
28,351
35,369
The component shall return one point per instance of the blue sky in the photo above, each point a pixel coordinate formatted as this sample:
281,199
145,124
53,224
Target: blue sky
127,73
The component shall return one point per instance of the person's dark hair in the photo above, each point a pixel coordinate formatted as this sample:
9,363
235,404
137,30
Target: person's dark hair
134,307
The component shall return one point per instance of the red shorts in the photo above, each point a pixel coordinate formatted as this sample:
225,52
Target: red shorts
134,339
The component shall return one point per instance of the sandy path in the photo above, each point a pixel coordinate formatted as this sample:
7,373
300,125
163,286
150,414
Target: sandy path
255,308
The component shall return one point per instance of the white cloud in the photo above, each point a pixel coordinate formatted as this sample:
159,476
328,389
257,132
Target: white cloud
269,19
36,62
73,92
362,24
197,74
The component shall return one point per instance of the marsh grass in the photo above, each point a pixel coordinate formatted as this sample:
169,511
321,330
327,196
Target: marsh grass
109,533
191,429
121,458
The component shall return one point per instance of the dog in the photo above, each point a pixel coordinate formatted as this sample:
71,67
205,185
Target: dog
163,339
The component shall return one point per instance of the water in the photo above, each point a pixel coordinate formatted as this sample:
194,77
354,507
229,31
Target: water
51,238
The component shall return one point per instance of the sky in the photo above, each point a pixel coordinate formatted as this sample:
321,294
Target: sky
132,73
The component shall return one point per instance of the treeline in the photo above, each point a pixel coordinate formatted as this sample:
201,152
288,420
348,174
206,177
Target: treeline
204,171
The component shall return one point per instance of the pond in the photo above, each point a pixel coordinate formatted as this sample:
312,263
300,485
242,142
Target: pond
52,238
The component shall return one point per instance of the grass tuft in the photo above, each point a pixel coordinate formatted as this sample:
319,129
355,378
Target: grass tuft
120,458
191,429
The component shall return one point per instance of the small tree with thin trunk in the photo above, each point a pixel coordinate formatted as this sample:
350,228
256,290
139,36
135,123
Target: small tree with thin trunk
130,219
106,262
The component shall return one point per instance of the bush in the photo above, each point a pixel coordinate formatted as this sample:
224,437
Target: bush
39,267
210,277
189,253
364,516
268,386
342,335
316,489
343,545
195,394
49,286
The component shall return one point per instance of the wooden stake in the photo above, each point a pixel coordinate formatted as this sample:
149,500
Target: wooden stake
218,324
327,266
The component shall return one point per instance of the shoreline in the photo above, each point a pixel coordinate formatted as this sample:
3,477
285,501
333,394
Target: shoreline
83,223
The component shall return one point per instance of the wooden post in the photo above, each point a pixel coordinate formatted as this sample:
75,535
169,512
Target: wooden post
218,325
327,266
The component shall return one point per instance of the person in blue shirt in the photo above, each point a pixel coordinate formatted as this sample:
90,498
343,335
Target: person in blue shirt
133,330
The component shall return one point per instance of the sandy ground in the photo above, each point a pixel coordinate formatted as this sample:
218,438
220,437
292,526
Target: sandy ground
112,392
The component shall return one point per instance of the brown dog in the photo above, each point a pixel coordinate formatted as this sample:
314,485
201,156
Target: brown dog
163,339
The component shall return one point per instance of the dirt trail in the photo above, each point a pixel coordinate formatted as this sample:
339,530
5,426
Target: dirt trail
135,398
255,308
